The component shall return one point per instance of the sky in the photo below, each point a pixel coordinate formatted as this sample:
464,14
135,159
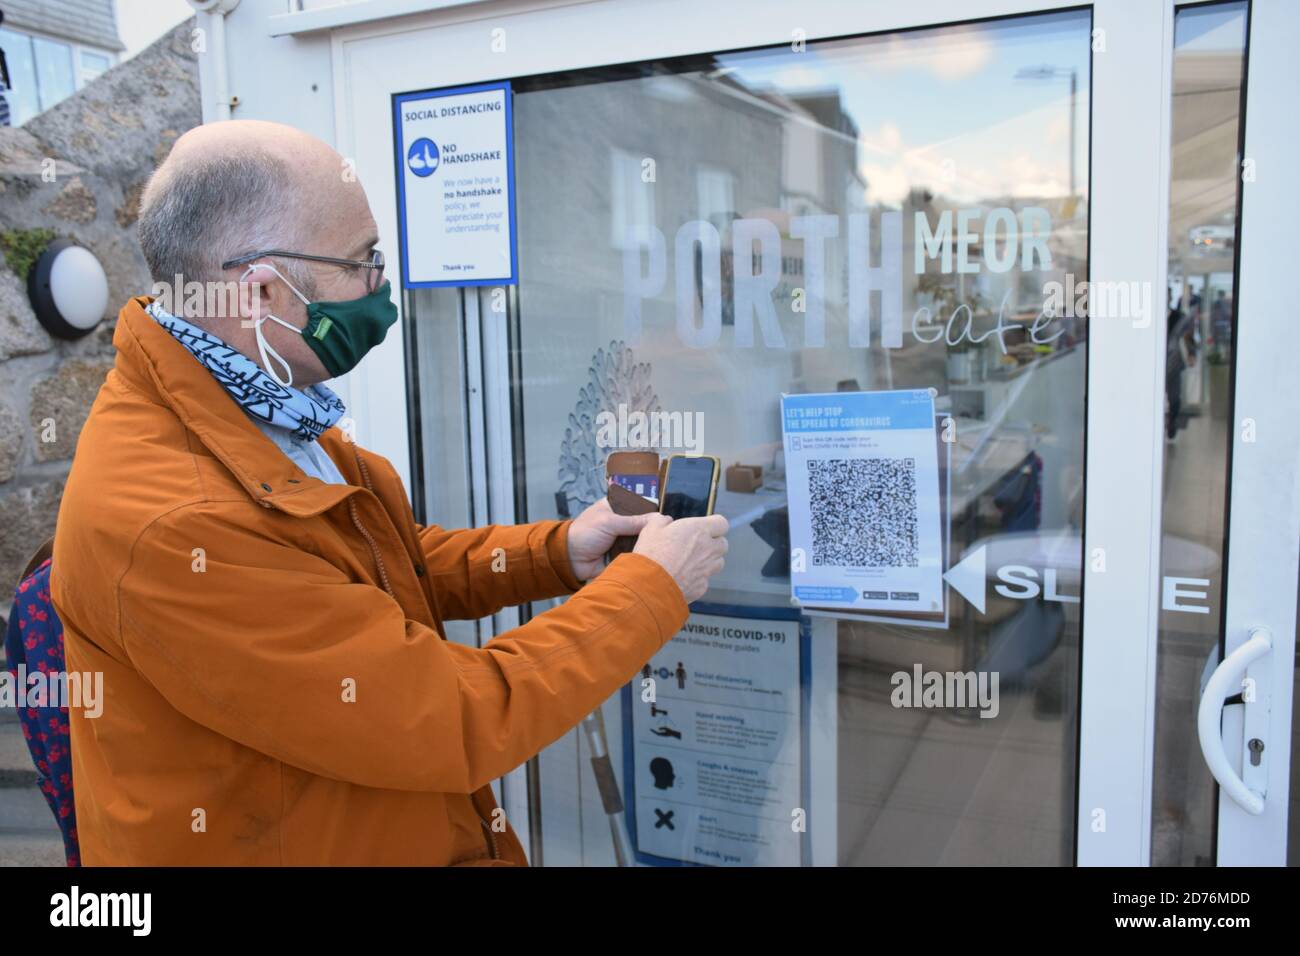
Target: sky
921,99
140,22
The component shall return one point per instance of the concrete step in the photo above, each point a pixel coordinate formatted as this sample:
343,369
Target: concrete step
16,768
29,835
30,850
23,810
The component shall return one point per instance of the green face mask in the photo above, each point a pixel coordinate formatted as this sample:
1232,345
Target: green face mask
340,333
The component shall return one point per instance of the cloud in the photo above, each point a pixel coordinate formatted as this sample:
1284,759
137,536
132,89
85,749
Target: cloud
1021,156
953,53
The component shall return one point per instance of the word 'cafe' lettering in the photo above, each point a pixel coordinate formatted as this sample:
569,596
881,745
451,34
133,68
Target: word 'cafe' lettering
1009,239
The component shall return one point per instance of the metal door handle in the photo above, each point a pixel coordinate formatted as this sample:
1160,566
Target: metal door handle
1223,683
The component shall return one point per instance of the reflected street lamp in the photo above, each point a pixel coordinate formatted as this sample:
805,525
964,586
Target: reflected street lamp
1047,72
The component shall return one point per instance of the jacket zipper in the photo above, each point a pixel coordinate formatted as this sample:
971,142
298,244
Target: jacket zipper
383,576
491,837
370,541
374,551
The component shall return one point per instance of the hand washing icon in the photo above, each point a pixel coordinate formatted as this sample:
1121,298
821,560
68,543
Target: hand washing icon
422,157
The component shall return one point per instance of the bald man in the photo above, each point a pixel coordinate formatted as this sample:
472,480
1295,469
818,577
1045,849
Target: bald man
267,614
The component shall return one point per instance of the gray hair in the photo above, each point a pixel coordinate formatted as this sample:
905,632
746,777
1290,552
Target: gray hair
207,210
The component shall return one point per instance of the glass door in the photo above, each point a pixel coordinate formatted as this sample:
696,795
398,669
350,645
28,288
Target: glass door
905,212
897,204
1202,322
1244,708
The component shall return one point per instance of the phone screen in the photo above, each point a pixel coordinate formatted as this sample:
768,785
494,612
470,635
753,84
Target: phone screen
687,487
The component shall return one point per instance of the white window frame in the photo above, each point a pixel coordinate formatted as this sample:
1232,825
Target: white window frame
84,76
712,182
632,201
79,77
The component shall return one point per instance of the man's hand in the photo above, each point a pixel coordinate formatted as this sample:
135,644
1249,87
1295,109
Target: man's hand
690,549
592,534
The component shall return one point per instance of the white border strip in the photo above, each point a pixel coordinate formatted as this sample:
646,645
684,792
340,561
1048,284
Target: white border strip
1131,95
1264,523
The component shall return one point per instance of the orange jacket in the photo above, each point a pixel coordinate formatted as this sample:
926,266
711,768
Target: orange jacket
232,602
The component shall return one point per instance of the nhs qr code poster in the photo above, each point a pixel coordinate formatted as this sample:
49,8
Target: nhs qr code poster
862,472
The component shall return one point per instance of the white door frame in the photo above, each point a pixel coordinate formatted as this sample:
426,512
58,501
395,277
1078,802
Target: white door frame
1131,96
1129,191
1264,516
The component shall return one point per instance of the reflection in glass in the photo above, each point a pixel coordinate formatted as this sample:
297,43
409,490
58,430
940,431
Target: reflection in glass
92,65
54,69
1293,817
979,133
441,420
1209,59
24,100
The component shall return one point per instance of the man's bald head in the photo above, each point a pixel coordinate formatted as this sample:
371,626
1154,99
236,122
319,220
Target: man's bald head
240,186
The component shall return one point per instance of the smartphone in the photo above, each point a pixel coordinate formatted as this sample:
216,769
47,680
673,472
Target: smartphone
690,486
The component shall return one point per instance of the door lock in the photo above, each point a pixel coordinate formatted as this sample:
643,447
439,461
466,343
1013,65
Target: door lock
1256,747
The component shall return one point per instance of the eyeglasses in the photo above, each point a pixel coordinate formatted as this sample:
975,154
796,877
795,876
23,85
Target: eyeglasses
375,264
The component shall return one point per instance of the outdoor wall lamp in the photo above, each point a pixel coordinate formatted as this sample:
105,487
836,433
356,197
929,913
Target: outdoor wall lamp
68,289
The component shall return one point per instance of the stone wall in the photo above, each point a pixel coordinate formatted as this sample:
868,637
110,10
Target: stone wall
77,170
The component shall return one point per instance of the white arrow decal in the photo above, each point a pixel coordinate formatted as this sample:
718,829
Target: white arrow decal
968,578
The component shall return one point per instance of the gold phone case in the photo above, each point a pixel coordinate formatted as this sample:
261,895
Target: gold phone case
713,483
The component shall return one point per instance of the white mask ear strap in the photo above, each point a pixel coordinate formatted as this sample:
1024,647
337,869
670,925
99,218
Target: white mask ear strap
267,265
267,351
264,348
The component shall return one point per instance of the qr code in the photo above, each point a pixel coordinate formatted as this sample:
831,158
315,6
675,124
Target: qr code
863,512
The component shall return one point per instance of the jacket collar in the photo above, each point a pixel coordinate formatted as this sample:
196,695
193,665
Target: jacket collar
160,367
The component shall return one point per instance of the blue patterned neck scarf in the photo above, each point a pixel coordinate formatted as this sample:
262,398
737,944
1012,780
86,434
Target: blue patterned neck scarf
305,412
